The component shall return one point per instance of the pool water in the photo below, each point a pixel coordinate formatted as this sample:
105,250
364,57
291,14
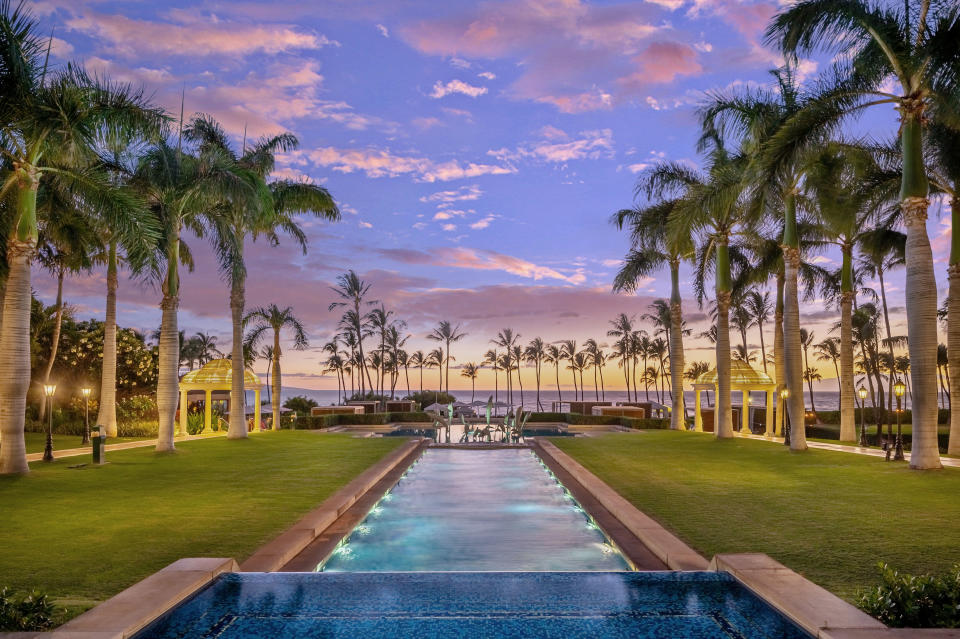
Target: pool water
617,605
476,510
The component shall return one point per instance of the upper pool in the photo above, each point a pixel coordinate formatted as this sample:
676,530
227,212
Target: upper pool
476,510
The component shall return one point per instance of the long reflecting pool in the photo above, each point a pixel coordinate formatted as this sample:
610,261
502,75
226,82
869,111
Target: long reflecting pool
477,510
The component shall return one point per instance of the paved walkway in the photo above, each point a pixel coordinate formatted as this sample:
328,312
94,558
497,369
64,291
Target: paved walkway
143,443
845,448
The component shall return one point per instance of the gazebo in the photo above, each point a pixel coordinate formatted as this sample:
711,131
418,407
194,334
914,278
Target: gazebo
743,378
216,376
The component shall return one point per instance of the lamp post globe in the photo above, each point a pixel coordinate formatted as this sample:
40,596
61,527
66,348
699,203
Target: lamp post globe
48,391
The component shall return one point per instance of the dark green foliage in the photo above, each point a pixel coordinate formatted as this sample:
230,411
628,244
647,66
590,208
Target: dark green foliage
915,601
648,423
313,422
300,405
21,613
431,397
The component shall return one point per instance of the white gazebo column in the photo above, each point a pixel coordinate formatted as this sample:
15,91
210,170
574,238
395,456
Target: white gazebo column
184,406
745,413
207,410
256,409
768,422
697,417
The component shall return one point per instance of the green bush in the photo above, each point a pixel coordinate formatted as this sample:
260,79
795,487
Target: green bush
25,613
647,423
194,423
915,601
548,417
431,397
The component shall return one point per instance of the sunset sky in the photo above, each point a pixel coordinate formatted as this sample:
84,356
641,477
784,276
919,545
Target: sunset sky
476,149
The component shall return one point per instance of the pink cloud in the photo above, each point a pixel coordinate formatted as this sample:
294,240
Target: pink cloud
481,260
662,62
377,163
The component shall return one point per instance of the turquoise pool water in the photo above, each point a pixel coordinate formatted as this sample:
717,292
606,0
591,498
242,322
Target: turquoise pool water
476,510
591,605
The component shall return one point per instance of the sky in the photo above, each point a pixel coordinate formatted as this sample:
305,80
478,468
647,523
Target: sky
475,149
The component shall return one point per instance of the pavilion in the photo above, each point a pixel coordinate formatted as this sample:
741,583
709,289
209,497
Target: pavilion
743,378
216,376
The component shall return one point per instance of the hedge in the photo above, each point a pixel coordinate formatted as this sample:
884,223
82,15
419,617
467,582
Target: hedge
314,422
906,416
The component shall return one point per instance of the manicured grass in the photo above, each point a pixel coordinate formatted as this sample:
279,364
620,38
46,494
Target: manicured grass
83,535
830,516
36,441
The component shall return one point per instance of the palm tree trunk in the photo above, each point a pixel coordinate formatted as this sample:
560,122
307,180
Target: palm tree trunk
891,377
763,348
678,412
603,393
806,363
168,373
778,353
448,366
520,382
848,423
276,380
15,351
238,421
55,340
723,415
107,417
921,290
556,366
953,332
791,326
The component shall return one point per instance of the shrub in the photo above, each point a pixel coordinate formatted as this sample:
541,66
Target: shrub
300,405
647,423
431,397
25,612
915,601
194,423
548,417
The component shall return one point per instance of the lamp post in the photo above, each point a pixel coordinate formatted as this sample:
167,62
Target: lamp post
784,396
86,416
899,389
48,391
862,392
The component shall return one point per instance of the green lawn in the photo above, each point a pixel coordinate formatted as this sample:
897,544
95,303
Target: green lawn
830,516
83,535
37,441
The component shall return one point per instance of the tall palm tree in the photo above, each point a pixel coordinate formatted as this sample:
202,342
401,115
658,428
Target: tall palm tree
490,359
353,292
51,125
273,318
829,351
206,347
760,307
534,353
518,360
506,339
334,363
435,359
568,349
447,333
621,327
652,249
920,52
694,371
380,320
418,359
806,340
471,371
595,358
279,201
553,355
640,348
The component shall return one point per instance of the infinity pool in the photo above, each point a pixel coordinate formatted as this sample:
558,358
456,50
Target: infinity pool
596,605
476,510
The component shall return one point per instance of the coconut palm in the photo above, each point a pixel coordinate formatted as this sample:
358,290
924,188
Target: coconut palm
435,359
760,307
51,126
534,353
490,359
273,318
471,371
920,52
653,248
694,371
506,339
353,292
568,348
806,340
418,359
621,327
829,351
279,201
595,358
640,348
710,206
518,358
447,333
553,355
380,321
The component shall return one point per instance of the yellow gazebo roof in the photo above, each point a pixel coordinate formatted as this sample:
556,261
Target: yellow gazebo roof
741,375
217,373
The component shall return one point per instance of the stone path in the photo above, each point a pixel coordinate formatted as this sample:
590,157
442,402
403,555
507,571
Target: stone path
143,443
845,448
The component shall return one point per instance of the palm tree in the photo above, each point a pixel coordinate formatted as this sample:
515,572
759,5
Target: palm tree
506,340
553,355
829,351
50,128
694,371
267,354
266,318
352,292
568,349
902,365
471,371
596,358
923,57
534,353
447,333
380,320
760,307
435,359
621,327
653,248
334,363
418,359
206,347
640,347
490,359
279,203
806,340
